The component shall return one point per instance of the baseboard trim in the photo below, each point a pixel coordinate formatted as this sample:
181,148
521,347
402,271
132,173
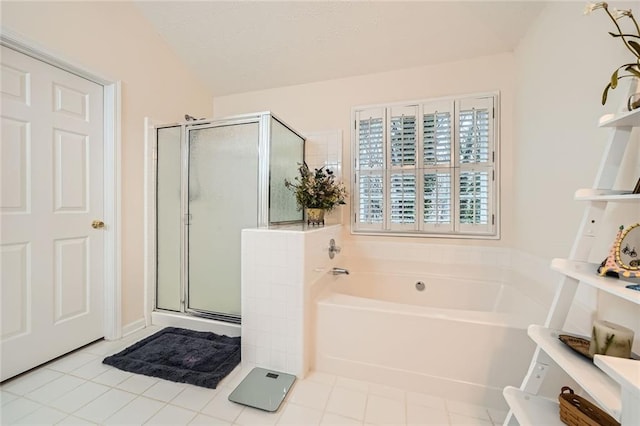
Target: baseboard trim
133,327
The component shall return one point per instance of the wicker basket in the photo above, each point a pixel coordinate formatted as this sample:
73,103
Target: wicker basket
577,411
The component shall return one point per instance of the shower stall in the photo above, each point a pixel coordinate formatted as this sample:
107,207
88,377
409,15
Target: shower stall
213,179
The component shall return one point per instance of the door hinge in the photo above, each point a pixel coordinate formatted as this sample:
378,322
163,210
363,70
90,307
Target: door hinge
493,175
493,219
493,156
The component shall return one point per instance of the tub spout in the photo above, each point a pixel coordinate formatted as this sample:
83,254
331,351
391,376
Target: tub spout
340,271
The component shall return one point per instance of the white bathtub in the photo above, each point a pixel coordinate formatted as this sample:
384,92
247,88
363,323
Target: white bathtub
459,339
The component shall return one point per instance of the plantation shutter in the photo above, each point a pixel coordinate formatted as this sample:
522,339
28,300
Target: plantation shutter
369,185
426,169
437,172
476,173
402,155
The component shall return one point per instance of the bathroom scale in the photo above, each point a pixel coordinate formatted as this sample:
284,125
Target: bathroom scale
263,389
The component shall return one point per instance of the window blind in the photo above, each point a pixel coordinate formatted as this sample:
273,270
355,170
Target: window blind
426,168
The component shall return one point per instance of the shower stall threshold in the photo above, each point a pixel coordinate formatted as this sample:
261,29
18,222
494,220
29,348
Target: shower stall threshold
173,319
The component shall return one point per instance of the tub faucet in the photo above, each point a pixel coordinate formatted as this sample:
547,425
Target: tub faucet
340,271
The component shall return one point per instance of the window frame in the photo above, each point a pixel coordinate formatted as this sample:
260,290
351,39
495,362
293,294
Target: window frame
456,228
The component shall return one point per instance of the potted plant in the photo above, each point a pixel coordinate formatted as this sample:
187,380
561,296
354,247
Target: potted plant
630,37
317,192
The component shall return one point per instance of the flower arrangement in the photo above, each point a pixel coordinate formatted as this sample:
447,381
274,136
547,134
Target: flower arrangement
317,189
630,40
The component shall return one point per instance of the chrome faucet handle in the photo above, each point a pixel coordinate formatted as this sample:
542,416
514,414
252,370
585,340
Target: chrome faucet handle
333,248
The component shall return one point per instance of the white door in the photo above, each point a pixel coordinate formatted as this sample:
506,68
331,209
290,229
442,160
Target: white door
52,259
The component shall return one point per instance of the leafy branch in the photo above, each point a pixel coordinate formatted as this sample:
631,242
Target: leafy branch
633,68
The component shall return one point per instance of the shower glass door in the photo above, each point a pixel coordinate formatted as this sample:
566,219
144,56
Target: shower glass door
222,200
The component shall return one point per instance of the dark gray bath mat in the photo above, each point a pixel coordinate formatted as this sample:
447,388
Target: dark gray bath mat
180,355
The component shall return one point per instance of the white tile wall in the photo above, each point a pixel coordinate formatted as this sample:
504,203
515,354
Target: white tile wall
324,149
279,266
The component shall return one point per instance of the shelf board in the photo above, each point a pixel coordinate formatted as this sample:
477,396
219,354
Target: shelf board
532,409
587,273
602,388
624,371
621,119
592,194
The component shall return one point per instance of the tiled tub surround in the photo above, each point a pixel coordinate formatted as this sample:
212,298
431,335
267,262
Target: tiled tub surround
463,337
279,268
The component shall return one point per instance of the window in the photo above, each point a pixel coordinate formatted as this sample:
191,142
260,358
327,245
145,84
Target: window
426,168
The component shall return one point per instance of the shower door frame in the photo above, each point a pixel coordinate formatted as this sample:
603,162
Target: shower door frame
264,150
262,219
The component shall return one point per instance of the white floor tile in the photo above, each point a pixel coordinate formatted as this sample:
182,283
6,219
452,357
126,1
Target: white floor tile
387,392
321,377
91,369
105,405
234,378
222,408
75,421
106,347
194,397
385,411
497,416
419,415
172,415
95,393
460,420
6,397
330,419
204,420
31,381
469,410
137,383
17,409
164,390
296,415
137,411
78,397
352,384
112,377
426,400
310,394
254,417
347,402
71,362
54,389
42,416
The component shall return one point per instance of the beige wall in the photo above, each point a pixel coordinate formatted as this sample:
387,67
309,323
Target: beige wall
562,66
113,40
327,106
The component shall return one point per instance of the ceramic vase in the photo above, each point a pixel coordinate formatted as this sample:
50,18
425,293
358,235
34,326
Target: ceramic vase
315,216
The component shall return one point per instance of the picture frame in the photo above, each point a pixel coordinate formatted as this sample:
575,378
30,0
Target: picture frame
624,258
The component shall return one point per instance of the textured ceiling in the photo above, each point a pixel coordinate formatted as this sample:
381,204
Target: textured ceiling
241,46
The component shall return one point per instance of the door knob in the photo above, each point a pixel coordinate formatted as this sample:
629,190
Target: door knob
97,224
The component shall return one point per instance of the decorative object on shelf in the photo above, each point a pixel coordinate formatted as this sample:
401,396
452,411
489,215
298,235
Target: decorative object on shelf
611,339
317,190
623,260
630,37
315,216
577,411
634,101
636,189
580,345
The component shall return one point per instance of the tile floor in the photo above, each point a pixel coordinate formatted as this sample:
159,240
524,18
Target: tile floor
78,389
